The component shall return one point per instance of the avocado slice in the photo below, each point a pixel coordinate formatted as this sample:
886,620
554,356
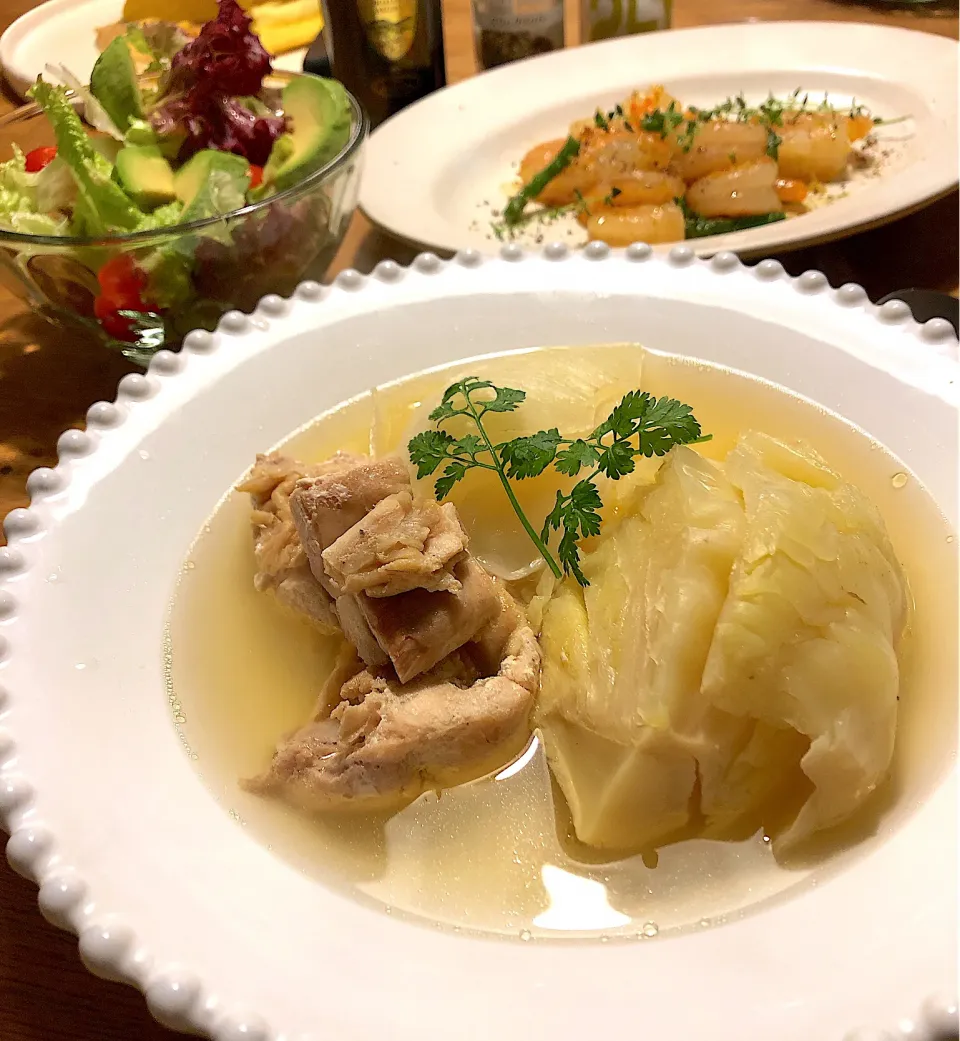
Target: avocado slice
319,114
211,182
113,82
145,175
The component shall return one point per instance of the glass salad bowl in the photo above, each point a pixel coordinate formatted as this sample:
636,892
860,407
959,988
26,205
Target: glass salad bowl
187,275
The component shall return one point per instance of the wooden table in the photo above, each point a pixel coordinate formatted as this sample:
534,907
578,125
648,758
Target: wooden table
48,378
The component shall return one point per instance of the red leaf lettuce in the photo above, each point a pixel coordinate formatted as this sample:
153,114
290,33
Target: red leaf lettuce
209,92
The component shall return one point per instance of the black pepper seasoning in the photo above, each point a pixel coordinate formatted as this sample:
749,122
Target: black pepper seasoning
507,30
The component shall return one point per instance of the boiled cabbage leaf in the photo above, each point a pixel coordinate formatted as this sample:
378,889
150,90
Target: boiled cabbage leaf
625,728
733,658
808,634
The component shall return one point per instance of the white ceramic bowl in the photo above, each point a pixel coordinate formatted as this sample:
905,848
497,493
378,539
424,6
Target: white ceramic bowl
166,892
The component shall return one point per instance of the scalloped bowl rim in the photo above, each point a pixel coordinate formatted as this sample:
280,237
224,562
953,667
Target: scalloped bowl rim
93,847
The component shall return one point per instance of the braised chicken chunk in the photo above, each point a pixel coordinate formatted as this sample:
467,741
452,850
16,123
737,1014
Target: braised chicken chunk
440,668
386,741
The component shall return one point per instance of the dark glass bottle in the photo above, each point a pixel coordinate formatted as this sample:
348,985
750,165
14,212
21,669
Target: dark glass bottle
387,53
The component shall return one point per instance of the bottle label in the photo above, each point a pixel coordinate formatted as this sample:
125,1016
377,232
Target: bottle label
526,16
607,18
390,25
507,30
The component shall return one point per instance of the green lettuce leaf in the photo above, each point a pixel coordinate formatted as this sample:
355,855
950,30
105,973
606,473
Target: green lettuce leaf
168,271
104,206
24,199
17,187
55,189
162,217
218,194
93,112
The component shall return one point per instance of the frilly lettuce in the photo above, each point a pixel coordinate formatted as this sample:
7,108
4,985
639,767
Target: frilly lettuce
169,266
101,207
28,201
94,113
17,187
157,41
205,90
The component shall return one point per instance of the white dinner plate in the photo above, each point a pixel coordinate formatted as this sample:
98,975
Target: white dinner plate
134,853
437,171
64,31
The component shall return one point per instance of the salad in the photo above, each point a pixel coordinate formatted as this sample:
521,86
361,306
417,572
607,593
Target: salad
163,159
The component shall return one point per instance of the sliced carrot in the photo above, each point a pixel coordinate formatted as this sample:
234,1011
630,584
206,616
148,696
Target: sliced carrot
791,190
859,126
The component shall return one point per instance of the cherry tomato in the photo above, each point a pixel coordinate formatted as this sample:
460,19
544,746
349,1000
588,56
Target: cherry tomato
121,289
256,176
120,275
36,160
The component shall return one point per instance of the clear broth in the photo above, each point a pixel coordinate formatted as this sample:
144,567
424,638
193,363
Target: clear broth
486,856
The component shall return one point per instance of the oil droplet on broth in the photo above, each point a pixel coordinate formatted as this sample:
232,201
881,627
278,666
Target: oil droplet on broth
899,480
486,856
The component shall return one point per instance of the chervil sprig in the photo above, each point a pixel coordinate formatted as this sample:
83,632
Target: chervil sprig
639,425
471,398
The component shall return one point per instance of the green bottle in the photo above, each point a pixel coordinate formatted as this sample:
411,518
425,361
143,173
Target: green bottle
604,19
387,53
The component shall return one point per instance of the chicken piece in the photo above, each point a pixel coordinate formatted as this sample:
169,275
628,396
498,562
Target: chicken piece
388,742
413,629
356,630
299,591
325,506
419,628
489,646
282,565
400,545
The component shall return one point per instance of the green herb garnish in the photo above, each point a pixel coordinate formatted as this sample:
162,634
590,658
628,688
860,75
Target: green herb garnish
640,425
513,211
769,114
773,143
698,227
662,121
543,215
